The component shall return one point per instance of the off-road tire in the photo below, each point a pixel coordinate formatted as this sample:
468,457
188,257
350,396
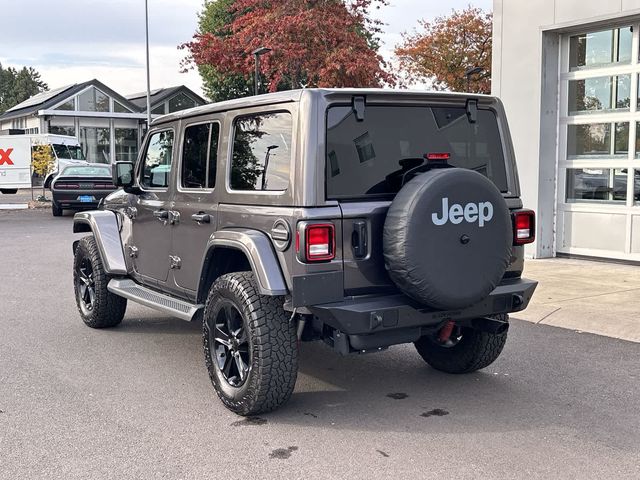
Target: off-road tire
272,343
108,309
56,210
475,350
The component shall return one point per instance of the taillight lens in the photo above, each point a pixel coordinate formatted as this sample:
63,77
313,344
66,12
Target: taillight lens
319,242
67,186
524,227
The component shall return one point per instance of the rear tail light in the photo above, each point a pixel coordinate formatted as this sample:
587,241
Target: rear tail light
316,242
67,186
524,227
104,186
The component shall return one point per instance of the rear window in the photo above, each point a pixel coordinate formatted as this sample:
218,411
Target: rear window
368,158
82,171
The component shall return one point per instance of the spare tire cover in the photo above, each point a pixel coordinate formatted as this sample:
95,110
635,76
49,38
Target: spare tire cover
447,238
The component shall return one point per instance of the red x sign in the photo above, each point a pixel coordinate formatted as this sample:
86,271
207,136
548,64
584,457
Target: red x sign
4,156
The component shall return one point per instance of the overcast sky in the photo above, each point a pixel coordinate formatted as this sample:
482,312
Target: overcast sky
71,41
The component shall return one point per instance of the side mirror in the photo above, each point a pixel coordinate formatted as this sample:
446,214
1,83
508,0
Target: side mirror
123,174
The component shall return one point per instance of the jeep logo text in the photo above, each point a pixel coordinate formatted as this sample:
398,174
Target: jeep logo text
472,212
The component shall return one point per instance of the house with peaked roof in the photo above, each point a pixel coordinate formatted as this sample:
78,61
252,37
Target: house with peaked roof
108,125
167,100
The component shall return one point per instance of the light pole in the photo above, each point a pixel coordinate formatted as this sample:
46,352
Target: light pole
257,53
266,165
146,30
470,72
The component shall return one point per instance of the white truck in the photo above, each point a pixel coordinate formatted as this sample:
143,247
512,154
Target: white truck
15,158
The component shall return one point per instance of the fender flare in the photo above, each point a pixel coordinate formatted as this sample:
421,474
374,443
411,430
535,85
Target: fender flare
259,251
104,226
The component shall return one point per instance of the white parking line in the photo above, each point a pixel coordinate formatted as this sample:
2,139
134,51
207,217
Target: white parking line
14,206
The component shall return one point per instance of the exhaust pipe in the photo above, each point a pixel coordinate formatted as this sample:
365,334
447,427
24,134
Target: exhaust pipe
490,325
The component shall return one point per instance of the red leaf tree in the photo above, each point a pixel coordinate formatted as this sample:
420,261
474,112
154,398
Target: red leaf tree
323,43
443,50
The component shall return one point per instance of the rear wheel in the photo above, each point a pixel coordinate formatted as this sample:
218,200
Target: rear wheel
98,307
56,210
465,351
250,346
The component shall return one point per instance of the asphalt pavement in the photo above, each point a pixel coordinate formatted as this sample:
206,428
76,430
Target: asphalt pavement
135,402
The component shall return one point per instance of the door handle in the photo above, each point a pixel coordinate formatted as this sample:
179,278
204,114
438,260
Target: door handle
201,217
161,214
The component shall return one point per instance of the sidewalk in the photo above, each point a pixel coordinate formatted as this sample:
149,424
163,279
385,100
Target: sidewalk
594,297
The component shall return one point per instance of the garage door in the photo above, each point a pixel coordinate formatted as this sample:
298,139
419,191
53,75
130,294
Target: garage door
599,144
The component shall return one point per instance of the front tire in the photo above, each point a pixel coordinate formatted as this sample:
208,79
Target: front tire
250,346
467,351
98,307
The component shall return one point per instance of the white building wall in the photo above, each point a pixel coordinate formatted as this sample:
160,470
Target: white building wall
525,77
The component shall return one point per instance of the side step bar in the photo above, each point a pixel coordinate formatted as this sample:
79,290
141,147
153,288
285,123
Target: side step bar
129,289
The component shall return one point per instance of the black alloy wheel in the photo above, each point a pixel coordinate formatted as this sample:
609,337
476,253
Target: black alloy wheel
86,286
231,345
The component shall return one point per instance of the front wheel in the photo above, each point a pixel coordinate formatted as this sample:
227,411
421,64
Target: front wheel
466,350
250,346
98,307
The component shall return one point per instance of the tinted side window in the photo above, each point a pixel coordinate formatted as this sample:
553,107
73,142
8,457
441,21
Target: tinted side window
199,156
262,152
156,167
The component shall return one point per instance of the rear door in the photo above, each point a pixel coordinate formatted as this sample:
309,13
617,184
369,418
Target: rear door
368,160
195,200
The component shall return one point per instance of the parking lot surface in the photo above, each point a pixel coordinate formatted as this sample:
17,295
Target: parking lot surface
135,402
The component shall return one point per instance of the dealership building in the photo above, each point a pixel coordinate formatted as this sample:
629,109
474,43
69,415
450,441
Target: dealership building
567,72
108,125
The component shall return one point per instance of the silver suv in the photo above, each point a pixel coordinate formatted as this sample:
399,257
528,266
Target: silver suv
361,218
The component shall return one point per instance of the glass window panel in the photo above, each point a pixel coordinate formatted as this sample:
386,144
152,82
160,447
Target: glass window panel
213,154
156,167
59,130
596,185
93,100
596,49
625,40
180,102
126,144
159,110
68,105
623,93
621,141
119,108
372,156
194,156
96,144
590,94
637,152
636,186
593,139
262,152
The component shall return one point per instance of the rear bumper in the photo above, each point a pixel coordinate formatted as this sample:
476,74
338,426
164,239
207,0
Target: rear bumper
371,315
70,200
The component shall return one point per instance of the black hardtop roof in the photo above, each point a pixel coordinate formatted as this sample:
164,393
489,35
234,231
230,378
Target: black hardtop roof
330,94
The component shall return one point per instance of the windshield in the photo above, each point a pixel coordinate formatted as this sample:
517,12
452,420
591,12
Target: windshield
370,157
80,170
72,152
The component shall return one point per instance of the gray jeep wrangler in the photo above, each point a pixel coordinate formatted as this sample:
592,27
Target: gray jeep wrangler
362,218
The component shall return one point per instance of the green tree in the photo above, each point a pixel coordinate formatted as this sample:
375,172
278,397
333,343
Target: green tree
18,85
